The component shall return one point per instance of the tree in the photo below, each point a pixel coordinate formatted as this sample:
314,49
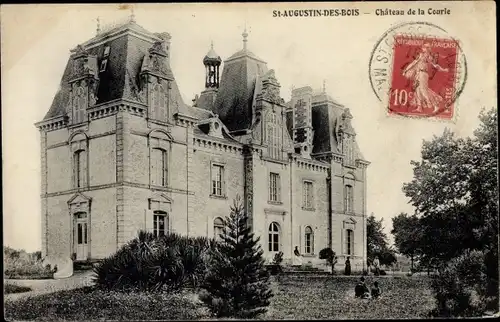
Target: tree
237,282
407,234
330,256
377,244
455,193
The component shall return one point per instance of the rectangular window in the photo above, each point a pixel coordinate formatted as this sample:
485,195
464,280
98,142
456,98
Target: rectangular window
217,180
349,242
104,64
308,194
159,167
106,51
79,168
159,225
274,187
348,199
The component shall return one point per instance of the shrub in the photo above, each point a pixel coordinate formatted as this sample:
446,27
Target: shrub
13,288
459,289
275,268
19,264
329,255
150,263
237,284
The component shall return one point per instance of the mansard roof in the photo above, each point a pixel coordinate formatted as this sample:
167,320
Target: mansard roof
128,44
236,91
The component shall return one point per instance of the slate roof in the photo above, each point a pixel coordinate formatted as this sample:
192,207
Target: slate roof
120,80
236,90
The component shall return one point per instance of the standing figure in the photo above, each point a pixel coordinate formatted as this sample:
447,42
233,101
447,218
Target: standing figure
418,72
297,259
376,265
347,266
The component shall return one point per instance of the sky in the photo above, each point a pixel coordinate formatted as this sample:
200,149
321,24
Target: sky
335,51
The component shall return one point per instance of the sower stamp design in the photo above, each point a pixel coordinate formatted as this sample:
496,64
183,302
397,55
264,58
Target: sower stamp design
419,73
423,76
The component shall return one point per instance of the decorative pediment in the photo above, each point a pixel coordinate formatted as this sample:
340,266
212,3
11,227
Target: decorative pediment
79,203
160,201
155,61
271,89
350,223
346,125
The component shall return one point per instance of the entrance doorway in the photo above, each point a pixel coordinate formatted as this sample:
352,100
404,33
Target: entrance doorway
81,236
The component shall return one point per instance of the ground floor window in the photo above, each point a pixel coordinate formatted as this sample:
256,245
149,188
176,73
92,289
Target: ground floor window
160,223
349,242
274,237
309,240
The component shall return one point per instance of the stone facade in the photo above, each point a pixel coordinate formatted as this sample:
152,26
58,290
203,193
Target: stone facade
121,152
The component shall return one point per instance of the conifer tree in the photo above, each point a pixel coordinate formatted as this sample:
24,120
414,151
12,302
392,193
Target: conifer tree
237,282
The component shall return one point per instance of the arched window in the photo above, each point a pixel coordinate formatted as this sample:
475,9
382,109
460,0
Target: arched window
218,228
79,158
274,237
159,167
160,223
309,240
349,199
349,242
79,104
273,126
159,103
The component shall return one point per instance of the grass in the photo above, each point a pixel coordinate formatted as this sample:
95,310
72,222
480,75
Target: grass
87,303
12,288
295,297
300,297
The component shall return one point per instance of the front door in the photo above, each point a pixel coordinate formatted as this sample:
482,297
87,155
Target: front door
81,233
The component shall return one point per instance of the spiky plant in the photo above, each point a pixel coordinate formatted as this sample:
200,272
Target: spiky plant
237,283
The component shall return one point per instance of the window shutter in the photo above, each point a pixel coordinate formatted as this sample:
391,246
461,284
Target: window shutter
301,239
345,233
153,167
84,157
223,181
148,220
353,241
278,187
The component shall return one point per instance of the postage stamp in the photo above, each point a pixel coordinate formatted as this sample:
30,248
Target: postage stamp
418,70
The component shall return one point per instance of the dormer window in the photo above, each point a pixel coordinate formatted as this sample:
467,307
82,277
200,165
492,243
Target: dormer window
106,51
104,64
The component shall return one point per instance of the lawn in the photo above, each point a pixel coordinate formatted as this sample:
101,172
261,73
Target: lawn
303,297
299,297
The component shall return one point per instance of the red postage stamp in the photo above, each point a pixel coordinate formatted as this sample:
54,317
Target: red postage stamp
423,76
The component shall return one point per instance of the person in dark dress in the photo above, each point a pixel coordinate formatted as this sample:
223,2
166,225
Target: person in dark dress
361,289
376,292
347,266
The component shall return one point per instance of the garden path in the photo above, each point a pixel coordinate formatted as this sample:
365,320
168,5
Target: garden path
38,287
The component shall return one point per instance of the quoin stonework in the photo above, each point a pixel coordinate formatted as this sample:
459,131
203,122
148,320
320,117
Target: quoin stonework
122,152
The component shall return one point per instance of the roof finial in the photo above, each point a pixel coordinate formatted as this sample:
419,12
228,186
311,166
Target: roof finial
98,29
211,44
245,35
324,86
132,15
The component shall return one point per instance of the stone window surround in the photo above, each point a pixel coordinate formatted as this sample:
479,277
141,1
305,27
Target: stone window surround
304,207
79,203
79,141
220,163
160,139
278,200
348,224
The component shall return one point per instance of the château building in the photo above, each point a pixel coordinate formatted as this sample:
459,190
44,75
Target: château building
122,152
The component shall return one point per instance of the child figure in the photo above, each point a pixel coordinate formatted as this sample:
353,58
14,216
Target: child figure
376,292
361,290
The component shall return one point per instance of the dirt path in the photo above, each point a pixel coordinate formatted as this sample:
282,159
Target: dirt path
39,287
